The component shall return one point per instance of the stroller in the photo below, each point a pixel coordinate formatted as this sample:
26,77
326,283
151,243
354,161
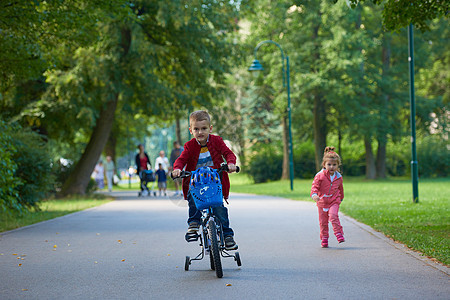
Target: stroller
146,177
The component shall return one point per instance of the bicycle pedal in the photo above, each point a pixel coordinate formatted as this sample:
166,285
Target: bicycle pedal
191,237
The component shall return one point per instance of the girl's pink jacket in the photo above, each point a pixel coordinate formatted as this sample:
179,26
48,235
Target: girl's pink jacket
329,192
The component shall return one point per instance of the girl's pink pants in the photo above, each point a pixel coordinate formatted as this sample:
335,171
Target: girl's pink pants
329,216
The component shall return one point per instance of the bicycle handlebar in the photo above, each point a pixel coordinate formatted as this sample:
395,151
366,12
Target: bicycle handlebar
223,167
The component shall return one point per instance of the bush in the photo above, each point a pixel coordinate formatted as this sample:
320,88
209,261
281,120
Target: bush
8,182
433,157
33,168
304,161
265,166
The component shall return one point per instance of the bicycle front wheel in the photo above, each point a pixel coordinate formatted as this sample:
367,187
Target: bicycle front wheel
215,252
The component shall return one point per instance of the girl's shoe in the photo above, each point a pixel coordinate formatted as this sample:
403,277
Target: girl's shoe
324,243
340,238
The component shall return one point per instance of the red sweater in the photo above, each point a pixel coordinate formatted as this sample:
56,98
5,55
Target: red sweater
329,192
218,150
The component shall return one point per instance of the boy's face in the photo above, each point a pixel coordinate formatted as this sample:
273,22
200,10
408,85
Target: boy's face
200,130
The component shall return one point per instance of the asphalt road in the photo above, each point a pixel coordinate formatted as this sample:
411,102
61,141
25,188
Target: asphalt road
135,249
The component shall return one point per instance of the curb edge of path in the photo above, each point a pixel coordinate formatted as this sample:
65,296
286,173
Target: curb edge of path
402,247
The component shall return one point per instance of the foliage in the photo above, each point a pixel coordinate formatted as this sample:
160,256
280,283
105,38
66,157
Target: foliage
266,165
8,182
433,157
399,14
29,28
304,164
33,168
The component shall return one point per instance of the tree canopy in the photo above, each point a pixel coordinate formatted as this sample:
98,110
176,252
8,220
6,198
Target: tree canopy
398,14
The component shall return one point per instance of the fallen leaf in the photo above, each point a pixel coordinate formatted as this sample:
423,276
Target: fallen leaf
24,290
14,253
95,262
46,241
123,259
228,284
22,258
119,241
1,254
168,254
20,265
54,246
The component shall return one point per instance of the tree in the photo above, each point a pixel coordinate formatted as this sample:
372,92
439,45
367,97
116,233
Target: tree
29,28
142,57
399,14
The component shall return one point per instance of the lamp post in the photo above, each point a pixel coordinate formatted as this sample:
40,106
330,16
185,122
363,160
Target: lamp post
256,66
414,164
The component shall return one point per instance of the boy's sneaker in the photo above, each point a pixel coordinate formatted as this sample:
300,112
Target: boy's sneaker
230,244
324,243
340,238
193,227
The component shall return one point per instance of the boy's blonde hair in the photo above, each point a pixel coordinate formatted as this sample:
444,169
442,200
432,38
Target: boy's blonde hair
329,153
199,115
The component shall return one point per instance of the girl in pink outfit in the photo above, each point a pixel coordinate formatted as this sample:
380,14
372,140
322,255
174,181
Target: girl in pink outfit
328,192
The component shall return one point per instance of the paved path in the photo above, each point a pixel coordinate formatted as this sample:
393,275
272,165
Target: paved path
134,249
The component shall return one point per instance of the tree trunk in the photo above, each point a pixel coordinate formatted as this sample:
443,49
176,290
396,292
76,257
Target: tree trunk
370,161
320,130
319,110
110,147
381,160
285,172
178,130
383,127
79,179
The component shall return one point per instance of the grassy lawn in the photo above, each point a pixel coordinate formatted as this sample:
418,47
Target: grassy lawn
48,210
385,205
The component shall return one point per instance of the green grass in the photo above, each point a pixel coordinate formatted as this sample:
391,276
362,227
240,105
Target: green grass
49,209
385,205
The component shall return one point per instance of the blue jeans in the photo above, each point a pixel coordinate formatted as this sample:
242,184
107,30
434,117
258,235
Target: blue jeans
220,212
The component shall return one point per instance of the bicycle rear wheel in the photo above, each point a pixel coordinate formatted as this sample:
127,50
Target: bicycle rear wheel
215,252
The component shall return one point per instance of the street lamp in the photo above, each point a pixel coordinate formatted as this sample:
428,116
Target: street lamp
414,164
255,67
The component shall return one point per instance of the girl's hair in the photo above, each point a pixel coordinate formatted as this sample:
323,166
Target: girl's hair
329,153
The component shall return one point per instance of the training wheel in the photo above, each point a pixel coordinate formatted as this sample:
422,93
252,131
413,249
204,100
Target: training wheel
237,258
187,263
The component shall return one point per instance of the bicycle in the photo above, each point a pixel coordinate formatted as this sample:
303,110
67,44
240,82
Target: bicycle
211,236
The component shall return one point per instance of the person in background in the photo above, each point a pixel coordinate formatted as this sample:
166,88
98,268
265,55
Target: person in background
142,161
162,159
176,152
162,180
99,175
110,170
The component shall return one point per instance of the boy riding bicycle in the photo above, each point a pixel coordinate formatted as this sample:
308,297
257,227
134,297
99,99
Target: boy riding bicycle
206,150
